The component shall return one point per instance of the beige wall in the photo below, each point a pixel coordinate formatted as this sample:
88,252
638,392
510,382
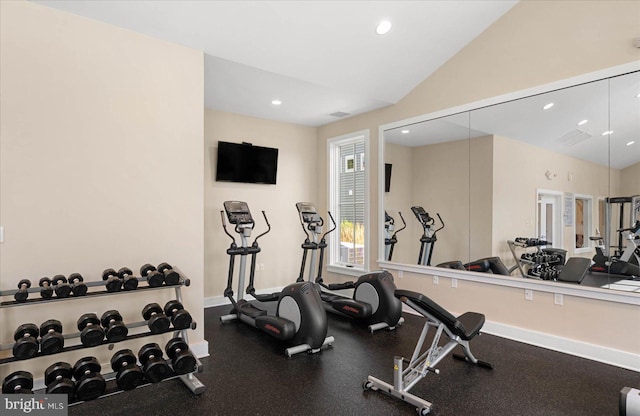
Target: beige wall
449,198
533,44
630,180
101,165
519,170
296,182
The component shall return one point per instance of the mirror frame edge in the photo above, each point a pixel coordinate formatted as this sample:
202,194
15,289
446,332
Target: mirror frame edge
514,95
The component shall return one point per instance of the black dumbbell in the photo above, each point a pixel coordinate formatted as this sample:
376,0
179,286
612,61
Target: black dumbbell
91,333
77,286
130,282
128,373
180,318
157,321
182,360
154,366
23,290
60,286
26,337
171,277
57,378
114,328
18,382
154,277
112,280
89,382
46,288
51,339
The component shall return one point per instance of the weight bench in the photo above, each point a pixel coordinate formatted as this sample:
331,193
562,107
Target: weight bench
459,330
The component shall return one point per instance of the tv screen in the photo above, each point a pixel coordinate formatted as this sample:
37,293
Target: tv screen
387,177
246,163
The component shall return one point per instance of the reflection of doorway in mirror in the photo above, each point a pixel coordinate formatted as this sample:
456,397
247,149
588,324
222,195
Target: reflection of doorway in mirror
549,217
583,220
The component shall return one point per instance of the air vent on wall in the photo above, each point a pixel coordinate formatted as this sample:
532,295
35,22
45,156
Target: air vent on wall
574,137
339,114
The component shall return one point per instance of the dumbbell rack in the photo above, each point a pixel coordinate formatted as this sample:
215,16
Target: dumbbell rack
523,264
190,380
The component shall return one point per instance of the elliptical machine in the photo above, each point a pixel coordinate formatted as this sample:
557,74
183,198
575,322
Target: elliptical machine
429,238
373,299
300,318
390,240
626,258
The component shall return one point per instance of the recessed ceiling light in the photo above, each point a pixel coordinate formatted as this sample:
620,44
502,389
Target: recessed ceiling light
404,131
548,106
583,122
383,27
630,143
276,102
607,133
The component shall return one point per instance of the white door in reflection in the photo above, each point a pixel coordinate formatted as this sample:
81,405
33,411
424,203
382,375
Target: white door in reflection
549,217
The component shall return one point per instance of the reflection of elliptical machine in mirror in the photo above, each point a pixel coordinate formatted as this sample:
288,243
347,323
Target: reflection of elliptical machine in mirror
429,238
390,239
625,259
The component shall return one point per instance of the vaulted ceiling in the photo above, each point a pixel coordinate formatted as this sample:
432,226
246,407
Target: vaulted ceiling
317,57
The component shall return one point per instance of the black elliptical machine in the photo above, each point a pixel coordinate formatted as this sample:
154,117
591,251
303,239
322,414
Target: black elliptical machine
390,239
373,299
429,238
300,319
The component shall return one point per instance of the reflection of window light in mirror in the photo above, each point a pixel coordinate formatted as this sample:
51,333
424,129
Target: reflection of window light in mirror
583,122
547,106
405,132
631,142
607,133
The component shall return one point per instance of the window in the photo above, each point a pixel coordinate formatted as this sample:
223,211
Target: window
348,196
349,164
583,220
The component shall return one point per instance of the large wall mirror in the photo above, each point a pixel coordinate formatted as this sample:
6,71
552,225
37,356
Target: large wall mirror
544,166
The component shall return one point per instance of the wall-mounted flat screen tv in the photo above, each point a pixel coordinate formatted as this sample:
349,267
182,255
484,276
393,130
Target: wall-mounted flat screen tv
243,162
387,177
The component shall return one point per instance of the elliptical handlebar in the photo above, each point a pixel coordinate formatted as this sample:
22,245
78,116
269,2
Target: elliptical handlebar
224,227
332,229
404,225
441,222
255,242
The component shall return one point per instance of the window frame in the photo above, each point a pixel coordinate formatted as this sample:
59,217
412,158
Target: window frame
334,168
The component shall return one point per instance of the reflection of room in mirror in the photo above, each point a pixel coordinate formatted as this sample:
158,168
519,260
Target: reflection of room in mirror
484,170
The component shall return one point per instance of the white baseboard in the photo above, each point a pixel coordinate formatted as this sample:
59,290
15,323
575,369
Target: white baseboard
215,301
581,349
200,349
